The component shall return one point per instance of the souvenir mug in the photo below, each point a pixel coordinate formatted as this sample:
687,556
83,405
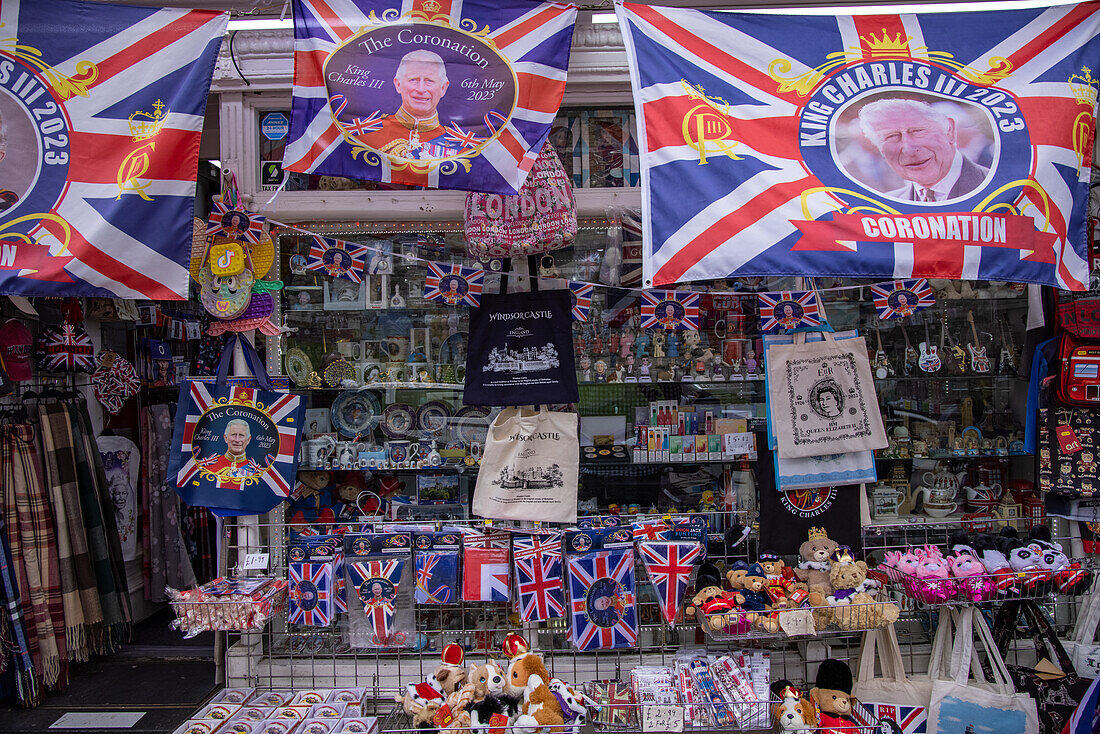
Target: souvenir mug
351,350
402,452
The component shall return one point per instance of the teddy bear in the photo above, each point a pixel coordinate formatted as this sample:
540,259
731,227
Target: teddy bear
718,606
420,701
528,677
735,579
793,713
850,606
756,599
832,695
815,566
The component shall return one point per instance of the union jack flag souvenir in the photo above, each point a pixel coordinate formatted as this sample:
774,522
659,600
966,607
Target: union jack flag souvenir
582,299
906,719
669,566
538,567
788,310
376,583
486,575
436,577
235,224
453,284
65,348
670,310
336,258
790,158
311,594
901,298
484,134
601,600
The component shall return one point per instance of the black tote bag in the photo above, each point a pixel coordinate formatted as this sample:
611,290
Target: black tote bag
521,350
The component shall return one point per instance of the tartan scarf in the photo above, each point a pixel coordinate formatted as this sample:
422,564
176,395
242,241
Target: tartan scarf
103,539
16,664
167,562
34,553
83,614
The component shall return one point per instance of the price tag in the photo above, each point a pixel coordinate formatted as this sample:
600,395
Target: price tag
1067,439
737,444
255,562
662,718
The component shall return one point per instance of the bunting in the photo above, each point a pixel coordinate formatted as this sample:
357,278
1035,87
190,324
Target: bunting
376,584
670,310
787,310
669,566
582,299
337,258
601,600
902,298
453,285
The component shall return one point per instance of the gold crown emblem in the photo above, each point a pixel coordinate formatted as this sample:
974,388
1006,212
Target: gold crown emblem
818,534
145,125
432,6
895,47
843,555
1084,87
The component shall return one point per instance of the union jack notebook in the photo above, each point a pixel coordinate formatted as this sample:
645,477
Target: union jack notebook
601,600
311,597
538,576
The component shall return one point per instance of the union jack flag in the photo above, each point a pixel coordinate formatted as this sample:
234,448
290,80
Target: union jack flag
436,577
532,38
538,576
670,310
909,719
310,594
669,566
601,600
902,298
788,310
485,574
101,200
453,284
630,272
235,224
376,584
65,349
783,167
281,409
582,299
337,258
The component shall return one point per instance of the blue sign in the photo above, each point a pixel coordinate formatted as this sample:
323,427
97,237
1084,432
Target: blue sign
275,126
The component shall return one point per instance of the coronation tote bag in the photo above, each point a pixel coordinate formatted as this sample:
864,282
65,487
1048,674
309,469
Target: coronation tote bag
892,696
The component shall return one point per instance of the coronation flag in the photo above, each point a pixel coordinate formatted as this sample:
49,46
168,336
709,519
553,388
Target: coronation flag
901,298
337,258
789,143
495,74
787,310
103,110
538,576
453,285
670,310
310,594
582,299
669,565
601,600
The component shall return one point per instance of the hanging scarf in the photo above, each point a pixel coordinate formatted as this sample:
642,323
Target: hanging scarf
83,614
34,553
167,563
18,668
104,545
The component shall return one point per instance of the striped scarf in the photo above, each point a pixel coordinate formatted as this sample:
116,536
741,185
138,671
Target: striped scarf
83,614
34,553
16,663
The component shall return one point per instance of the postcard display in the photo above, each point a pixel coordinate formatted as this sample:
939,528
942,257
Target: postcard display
387,565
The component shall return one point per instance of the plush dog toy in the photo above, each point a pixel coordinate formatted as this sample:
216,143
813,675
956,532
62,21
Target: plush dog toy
451,673
793,713
420,701
528,677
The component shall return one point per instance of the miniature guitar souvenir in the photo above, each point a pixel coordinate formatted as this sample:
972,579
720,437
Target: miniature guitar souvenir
1006,364
910,353
979,361
881,362
929,353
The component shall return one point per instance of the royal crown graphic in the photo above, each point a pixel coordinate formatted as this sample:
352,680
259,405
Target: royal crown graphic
886,47
1084,87
145,125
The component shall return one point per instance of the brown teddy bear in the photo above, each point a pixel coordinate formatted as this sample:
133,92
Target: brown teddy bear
850,607
710,599
756,599
815,565
528,677
833,695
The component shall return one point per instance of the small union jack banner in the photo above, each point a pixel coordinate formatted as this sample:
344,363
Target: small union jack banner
669,566
601,600
453,284
436,577
900,298
670,310
538,576
376,585
337,259
310,594
582,299
485,574
788,310
235,224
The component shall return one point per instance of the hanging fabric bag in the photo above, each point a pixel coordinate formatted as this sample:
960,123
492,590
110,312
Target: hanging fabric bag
893,696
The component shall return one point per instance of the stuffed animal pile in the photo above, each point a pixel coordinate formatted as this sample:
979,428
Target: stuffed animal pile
520,695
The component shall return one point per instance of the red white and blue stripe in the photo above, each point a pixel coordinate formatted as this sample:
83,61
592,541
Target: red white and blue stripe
590,576
787,310
311,594
436,577
379,609
468,281
538,576
582,299
323,258
918,295
752,121
669,565
670,310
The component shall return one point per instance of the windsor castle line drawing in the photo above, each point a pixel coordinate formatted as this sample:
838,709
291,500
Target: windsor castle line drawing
535,477
529,359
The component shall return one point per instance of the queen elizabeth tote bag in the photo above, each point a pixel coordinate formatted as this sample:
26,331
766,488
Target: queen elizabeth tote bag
962,694
821,397
892,696
529,467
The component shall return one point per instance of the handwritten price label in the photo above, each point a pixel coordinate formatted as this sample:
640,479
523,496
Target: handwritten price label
255,562
662,718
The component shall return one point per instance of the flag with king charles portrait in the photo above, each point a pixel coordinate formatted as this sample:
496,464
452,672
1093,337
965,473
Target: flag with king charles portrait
900,146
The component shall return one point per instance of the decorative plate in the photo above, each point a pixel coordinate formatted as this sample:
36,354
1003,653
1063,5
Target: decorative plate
431,417
355,413
337,371
397,420
453,350
298,366
471,424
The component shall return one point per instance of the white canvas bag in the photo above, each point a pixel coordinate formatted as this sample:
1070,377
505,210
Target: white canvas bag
892,696
529,467
1082,646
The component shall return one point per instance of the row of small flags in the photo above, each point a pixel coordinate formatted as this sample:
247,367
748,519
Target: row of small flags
896,299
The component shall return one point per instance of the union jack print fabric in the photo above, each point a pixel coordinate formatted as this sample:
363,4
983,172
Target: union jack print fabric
670,310
436,577
486,575
65,348
901,298
311,594
105,111
582,299
453,284
538,576
235,224
882,146
376,583
669,566
909,719
601,600
481,124
336,258
787,310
